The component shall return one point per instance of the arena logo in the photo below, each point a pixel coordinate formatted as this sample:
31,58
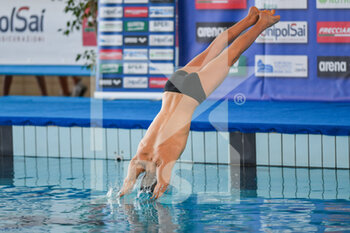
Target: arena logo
333,4
207,32
111,82
281,4
161,40
161,54
161,25
20,21
161,68
135,68
110,40
285,32
111,54
136,40
333,66
281,66
135,1
333,32
134,12
111,68
220,4
110,26
161,12
135,54
136,26
111,12
155,82
135,82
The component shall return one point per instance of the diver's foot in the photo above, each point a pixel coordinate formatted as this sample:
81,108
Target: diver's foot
253,15
268,18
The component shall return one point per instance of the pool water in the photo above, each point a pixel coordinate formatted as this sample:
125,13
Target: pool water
75,195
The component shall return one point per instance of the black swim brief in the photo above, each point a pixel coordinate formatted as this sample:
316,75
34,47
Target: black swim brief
187,84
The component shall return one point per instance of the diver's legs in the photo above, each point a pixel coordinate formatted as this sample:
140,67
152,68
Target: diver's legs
213,74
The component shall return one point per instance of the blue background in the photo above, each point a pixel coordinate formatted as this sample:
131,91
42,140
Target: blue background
311,88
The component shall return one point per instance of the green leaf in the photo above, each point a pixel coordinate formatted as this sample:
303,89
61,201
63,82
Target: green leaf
78,57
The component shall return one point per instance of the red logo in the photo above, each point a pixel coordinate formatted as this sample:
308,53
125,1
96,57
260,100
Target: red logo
333,32
157,82
111,54
221,4
135,12
89,34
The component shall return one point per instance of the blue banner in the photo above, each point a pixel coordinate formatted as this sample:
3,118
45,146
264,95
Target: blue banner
306,56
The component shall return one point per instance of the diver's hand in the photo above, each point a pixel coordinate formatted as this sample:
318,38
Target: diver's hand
163,178
134,171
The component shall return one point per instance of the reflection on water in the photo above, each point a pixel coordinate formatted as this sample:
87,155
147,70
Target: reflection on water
73,195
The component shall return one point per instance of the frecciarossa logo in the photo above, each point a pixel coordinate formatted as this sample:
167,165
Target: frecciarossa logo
333,32
131,12
221,4
155,82
21,20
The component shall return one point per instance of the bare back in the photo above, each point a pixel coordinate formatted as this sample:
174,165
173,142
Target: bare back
171,126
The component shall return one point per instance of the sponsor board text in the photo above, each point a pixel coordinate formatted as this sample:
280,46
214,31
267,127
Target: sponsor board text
161,40
281,66
161,54
161,68
110,40
111,54
285,32
161,11
161,25
135,82
111,12
281,4
135,68
136,40
220,4
333,66
135,12
135,54
333,32
155,82
110,82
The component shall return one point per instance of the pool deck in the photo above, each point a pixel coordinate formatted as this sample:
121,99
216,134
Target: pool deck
254,116
292,134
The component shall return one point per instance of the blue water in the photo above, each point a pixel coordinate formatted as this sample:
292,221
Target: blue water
73,195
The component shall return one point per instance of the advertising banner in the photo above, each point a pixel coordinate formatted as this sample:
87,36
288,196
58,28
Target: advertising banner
285,32
333,66
29,37
281,4
281,66
333,32
137,48
221,4
333,4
